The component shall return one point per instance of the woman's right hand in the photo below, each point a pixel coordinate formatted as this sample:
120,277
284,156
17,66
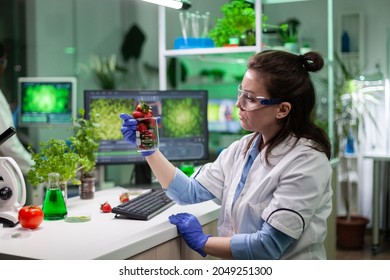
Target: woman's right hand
129,127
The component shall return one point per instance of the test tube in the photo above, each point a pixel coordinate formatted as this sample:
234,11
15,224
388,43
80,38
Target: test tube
205,31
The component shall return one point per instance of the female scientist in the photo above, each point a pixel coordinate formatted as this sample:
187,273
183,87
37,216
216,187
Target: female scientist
273,184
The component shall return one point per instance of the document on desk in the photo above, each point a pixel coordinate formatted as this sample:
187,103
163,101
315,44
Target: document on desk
133,193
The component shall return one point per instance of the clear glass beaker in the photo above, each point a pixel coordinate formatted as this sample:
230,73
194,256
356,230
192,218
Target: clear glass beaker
147,134
54,207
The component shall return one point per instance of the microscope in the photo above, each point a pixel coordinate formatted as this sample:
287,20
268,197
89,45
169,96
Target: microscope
12,186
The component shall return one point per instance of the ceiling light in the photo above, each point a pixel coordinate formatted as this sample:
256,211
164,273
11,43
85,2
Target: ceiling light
178,5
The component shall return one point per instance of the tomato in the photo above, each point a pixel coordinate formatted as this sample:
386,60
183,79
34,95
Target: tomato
105,207
30,216
124,197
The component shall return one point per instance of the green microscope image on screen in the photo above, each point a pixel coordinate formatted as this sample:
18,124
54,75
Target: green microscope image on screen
46,99
109,110
182,117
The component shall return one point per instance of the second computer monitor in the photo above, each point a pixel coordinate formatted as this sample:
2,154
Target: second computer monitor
46,101
183,133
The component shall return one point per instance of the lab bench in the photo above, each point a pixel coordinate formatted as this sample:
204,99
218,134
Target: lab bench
104,236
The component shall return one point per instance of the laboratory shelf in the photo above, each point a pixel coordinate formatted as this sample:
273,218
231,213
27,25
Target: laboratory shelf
210,51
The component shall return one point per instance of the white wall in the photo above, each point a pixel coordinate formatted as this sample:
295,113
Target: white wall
312,16
313,22
377,21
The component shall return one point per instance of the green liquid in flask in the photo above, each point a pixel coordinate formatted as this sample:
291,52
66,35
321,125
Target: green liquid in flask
54,207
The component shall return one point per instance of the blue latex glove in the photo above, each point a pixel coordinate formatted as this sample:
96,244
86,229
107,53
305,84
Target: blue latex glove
129,128
191,231
147,153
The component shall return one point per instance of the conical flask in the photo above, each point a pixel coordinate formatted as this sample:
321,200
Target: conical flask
54,207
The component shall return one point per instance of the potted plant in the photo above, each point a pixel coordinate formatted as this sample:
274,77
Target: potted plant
105,70
238,22
214,75
85,143
54,156
289,34
351,112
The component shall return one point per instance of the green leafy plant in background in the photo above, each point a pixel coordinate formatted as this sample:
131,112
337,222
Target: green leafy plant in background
351,103
215,75
105,70
86,141
289,30
238,21
54,156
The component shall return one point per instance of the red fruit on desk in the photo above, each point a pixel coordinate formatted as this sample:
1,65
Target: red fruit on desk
105,207
30,216
124,197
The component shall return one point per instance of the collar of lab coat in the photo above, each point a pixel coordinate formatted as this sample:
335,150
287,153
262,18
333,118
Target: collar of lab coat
278,152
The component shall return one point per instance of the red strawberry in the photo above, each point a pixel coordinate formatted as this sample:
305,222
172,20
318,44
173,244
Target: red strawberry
143,107
124,197
105,207
138,115
142,127
148,114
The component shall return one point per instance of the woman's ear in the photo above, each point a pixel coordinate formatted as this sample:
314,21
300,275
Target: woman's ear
283,110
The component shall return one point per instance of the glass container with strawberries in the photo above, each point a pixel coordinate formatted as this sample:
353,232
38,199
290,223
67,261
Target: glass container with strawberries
147,128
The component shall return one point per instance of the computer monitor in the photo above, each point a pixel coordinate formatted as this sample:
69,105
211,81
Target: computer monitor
183,133
46,101
223,116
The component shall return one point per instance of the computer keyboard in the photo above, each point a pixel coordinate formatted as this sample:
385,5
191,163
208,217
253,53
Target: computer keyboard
144,206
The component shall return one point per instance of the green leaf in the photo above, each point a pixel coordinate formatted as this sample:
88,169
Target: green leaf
85,141
54,156
238,20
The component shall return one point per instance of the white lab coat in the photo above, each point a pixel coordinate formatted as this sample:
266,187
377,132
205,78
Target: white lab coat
294,195
12,147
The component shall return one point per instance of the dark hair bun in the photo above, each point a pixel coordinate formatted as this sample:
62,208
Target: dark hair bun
313,61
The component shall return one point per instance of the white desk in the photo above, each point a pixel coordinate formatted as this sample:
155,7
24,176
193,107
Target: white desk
104,237
377,158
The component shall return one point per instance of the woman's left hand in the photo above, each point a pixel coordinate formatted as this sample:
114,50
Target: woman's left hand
191,231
